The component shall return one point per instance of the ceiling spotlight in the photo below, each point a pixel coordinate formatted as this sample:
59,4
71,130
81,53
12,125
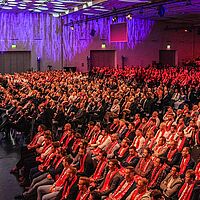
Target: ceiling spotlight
188,30
161,11
72,27
129,16
75,9
168,46
114,19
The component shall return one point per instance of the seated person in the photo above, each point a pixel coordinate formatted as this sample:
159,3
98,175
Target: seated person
145,164
112,179
172,182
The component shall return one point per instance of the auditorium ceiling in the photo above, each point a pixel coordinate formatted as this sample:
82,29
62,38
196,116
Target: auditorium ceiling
176,11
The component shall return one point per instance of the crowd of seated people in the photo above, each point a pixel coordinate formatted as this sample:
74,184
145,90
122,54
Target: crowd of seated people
115,135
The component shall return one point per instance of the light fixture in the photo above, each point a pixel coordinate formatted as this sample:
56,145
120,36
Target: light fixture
168,47
13,46
84,6
72,27
129,16
114,19
67,12
103,45
89,3
21,8
7,8
43,8
188,30
56,15
75,9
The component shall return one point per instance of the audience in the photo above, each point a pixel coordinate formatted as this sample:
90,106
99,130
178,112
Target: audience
116,134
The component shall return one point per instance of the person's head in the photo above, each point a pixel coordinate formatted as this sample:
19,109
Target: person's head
156,195
48,139
67,127
161,141
116,121
181,121
173,129
125,142
138,132
83,183
81,152
156,162
181,133
153,122
185,152
71,171
95,195
91,124
191,123
116,101
155,114
173,144
67,161
104,132
83,144
129,173
132,151
114,137
102,155
113,164
142,184
131,126
190,176
179,112
42,128
146,153
162,126
150,134
97,126
144,120
122,122
56,144
137,116
175,170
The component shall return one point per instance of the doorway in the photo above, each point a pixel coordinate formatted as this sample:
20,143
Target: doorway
102,58
167,57
15,61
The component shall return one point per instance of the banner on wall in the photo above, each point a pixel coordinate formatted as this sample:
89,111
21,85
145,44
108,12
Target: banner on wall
118,32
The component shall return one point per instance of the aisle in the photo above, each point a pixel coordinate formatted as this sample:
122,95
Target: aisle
9,186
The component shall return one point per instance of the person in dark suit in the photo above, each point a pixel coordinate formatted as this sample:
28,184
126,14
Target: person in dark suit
79,117
68,191
172,155
145,164
132,158
186,162
189,189
112,179
121,193
121,153
85,166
